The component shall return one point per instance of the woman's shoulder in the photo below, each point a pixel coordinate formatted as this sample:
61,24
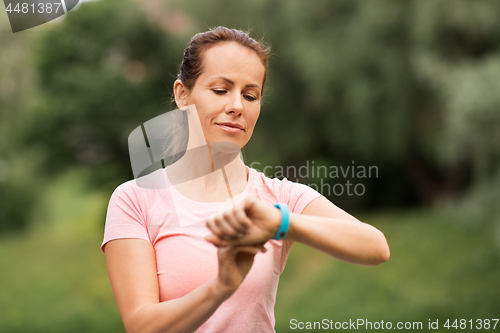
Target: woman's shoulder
274,190
259,178
261,182
146,188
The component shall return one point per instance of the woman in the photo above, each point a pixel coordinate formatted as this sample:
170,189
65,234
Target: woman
166,273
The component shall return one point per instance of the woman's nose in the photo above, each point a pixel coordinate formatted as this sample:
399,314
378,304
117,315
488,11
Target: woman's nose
235,105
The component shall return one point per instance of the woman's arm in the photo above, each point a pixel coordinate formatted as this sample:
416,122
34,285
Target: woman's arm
322,225
325,227
132,272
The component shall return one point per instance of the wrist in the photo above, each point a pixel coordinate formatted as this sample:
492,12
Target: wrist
284,221
292,229
275,222
221,291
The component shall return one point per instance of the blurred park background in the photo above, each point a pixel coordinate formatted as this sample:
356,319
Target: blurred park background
412,87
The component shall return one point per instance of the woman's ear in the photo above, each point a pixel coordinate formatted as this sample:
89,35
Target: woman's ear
180,94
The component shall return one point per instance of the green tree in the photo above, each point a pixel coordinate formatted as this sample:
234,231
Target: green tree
456,52
105,70
17,93
406,85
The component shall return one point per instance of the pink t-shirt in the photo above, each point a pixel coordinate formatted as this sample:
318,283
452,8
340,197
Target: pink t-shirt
185,260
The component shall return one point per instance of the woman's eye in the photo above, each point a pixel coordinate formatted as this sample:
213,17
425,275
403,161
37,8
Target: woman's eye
250,98
219,91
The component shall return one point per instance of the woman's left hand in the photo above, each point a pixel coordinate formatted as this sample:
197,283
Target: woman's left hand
250,222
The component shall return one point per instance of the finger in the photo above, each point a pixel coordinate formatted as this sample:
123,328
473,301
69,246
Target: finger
235,243
214,239
244,221
252,249
225,225
262,248
237,220
212,225
250,240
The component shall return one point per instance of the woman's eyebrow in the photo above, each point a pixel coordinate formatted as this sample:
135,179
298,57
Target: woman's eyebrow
232,82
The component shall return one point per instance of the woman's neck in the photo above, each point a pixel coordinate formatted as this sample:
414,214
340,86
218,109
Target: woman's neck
205,174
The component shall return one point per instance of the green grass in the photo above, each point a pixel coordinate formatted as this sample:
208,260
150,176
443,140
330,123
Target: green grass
54,276
439,269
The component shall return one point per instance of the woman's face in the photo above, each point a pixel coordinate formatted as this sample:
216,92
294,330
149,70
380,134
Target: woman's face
227,94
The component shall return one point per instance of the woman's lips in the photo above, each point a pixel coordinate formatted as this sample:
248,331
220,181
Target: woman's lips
230,129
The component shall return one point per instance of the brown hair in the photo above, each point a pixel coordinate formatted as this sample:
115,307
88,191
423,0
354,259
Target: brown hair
191,66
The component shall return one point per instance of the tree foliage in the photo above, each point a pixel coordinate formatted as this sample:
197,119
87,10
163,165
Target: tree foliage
408,86
103,72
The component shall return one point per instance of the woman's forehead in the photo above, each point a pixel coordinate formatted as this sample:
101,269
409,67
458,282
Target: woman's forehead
234,62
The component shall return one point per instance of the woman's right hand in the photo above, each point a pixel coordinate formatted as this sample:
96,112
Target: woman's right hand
235,262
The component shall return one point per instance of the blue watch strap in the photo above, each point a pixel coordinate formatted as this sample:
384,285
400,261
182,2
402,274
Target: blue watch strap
285,221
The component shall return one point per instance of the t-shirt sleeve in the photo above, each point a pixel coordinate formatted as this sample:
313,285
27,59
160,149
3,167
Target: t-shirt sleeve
126,217
297,196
